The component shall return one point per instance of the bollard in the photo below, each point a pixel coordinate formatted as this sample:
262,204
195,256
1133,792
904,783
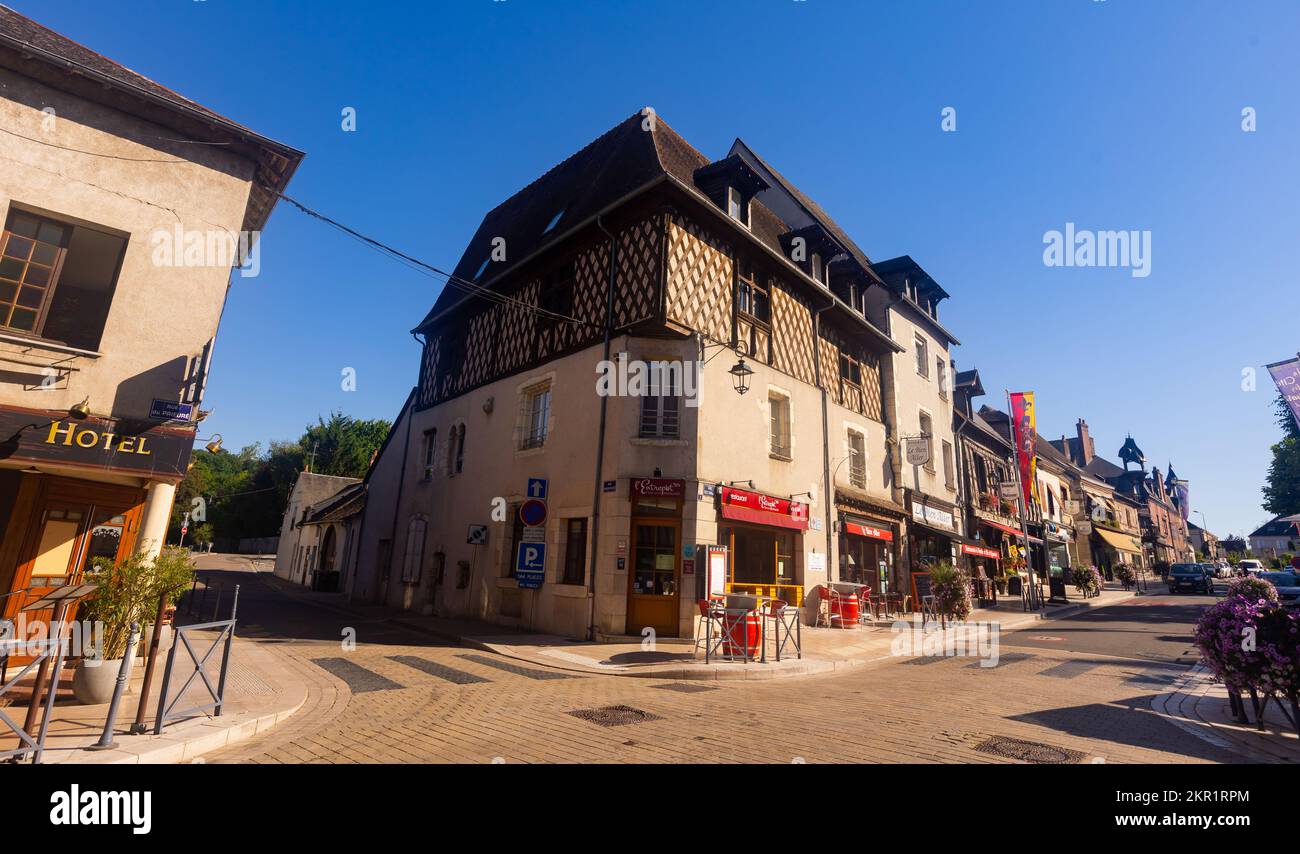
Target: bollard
106,741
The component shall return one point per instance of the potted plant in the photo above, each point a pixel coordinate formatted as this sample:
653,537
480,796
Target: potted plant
951,589
1124,573
128,592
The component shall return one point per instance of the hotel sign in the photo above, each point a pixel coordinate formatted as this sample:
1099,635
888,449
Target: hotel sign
130,447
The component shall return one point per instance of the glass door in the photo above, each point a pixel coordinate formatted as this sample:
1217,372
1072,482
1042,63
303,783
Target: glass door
653,597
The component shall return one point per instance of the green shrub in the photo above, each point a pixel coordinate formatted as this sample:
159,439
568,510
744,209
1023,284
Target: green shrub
129,590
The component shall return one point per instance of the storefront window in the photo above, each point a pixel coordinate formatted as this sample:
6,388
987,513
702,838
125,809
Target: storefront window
656,556
105,538
760,556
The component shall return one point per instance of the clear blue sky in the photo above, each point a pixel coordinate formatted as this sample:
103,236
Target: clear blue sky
1113,115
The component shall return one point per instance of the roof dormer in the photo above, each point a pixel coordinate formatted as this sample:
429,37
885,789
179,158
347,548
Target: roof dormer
730,184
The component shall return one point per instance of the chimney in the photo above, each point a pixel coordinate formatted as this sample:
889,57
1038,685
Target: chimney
1086,449
1065,449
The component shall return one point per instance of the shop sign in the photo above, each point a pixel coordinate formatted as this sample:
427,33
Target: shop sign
1084,528
868,531
980,551
816,562
917,451
932,516
137,447
758,501
658,487
1008,491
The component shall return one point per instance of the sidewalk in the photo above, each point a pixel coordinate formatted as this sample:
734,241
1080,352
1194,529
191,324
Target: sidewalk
261,691
1198,704
824,650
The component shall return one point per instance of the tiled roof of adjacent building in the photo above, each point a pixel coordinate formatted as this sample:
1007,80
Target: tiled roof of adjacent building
1276,528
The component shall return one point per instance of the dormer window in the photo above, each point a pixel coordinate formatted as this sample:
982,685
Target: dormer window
737,206
550,226
818,268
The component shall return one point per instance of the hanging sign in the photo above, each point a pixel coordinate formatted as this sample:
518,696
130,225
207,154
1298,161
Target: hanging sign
917,451
1287,377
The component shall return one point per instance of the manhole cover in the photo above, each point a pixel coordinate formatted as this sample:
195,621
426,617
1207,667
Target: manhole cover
1029,751
687,687
614,715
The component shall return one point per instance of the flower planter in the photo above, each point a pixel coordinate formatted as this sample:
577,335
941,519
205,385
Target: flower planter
93,681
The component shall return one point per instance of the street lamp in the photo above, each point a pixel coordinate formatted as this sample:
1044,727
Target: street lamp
740,374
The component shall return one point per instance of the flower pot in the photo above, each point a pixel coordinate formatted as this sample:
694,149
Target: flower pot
93,681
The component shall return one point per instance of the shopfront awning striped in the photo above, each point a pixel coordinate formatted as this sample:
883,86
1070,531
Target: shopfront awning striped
1123,542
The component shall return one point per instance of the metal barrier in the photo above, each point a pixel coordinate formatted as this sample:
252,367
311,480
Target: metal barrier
51,649
225,636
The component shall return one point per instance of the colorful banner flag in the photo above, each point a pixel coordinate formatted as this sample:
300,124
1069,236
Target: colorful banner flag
1025,436
1287,376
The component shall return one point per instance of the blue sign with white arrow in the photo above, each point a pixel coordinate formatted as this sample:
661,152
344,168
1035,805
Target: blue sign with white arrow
537,487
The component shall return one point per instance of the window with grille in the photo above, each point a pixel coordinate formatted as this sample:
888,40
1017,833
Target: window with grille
857,460
661,407
779,424
57,279
536,416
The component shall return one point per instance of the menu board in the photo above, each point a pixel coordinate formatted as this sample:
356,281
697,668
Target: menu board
921,587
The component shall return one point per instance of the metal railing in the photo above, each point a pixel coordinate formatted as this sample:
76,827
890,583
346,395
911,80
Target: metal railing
790,594
225,636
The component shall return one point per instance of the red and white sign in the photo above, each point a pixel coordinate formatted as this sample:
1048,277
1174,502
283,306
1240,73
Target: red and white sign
658,487
745,506
868,531
980,551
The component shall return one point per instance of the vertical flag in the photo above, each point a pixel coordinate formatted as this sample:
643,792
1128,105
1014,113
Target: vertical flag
1287,376
1180,490
1025,436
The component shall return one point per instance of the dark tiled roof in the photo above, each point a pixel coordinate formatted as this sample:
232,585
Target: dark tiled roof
23,30
1276,528
1103,468
813,209
622,159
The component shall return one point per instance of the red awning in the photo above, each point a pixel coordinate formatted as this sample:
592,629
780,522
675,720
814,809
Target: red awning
868,531
1012,531
762,509
762,517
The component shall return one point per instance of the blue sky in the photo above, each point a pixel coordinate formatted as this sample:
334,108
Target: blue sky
1115,114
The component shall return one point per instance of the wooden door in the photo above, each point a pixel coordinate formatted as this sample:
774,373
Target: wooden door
654,582
70,528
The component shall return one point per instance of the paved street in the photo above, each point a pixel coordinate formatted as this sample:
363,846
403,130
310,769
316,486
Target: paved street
1082,684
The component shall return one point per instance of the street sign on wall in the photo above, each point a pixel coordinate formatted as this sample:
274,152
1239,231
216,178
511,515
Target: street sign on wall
530,565
533,512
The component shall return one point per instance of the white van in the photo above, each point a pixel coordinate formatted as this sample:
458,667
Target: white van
1249,567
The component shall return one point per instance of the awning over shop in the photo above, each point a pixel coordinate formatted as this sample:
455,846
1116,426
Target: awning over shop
1123,542
759,509
1004,528
862,528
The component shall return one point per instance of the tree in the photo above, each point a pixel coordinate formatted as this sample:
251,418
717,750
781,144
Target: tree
1282,487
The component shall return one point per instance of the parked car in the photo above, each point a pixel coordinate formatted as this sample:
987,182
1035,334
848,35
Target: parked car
1250,567
1287,584
1189,576
1223,569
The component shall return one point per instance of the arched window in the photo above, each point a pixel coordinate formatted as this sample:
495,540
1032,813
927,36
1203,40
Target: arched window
413,560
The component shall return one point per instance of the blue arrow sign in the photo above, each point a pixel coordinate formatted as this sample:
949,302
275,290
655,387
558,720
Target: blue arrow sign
537,487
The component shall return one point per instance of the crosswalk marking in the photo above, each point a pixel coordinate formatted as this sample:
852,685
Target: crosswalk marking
359,679
442,671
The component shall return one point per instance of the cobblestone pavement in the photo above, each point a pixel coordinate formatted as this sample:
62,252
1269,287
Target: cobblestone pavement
402,698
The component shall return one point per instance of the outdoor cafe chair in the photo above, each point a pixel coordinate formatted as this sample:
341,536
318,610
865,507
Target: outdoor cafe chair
709,631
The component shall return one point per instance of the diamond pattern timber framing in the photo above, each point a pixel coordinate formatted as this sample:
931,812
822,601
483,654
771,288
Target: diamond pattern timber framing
792,329
700,282
494,340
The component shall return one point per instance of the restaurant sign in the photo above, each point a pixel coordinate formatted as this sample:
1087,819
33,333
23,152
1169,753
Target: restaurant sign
870,531
764,509
658,487
980,551
134,447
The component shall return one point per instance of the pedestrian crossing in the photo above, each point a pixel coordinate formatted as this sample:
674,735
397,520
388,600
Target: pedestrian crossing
363,677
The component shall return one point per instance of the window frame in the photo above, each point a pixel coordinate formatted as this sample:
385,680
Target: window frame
574,569
922,355
779,429
929,438
857,461
949,465
749,293
534,435
655,410
418,553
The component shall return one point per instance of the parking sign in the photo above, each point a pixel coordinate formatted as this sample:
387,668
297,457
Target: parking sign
530,565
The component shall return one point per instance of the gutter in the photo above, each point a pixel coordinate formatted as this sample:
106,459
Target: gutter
600,441
826,440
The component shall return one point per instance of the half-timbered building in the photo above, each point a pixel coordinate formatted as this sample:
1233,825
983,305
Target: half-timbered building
768,437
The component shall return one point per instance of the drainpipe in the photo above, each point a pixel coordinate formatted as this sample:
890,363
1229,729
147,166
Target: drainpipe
380,578
826,439
600,442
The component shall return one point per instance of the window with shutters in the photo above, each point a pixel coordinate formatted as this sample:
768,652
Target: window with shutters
949,473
